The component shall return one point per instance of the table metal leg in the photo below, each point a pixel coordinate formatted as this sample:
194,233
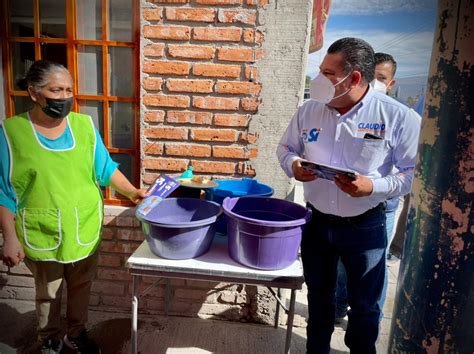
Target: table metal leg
135,282
277,310
289,326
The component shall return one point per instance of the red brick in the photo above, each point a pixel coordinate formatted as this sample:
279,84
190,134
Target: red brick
231,120
213,34
188,117
155,116
152,14
245,168
252,153
229,152
113,303
175,33
163,164
127,221
196,150
167,133
216,70
118,247
12,292
110,261
166,101
251,73
114,274
130,234
153,149
257,2
238,87
154,50
247,138
252,36
108,287
168,1
148,178
166,67
224,135
191,51
219,2
250,104
247,17
152,83
220,103
191,15
15,280
108,233
239,54
201,86
20,269
213,167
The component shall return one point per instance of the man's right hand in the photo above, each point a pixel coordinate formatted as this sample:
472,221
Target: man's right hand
12,252
300,173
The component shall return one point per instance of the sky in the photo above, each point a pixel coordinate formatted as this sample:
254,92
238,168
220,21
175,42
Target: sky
402,28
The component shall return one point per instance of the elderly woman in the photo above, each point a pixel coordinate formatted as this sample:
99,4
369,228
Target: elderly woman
51,206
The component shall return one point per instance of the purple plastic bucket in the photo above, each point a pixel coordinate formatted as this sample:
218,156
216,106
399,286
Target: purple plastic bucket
264,233
180,228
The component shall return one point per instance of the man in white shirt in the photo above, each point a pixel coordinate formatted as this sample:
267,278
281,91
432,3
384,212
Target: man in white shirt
385,69
348,125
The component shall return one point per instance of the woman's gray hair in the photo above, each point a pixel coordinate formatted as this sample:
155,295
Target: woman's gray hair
38,74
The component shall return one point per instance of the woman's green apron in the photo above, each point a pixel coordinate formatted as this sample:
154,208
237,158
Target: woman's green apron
59,204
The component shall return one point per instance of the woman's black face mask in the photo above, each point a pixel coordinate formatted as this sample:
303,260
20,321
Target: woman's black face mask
57,107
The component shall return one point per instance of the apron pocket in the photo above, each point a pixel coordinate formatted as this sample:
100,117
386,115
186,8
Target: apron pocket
88,223
41,228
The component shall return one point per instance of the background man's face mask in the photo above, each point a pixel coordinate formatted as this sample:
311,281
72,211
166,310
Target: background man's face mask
323,90
378,86
57,107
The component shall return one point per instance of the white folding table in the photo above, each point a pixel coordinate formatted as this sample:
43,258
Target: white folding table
215,265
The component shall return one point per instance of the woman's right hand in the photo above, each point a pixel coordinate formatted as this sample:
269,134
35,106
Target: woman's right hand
12,251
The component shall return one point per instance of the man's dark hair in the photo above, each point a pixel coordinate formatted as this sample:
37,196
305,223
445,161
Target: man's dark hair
386,58
357,55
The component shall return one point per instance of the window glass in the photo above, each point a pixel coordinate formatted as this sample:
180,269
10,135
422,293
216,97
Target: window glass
24,57
121,122
52,18
22,104
89,19
120,75
120,20
54,52
89,66
21,18
95,109
125,166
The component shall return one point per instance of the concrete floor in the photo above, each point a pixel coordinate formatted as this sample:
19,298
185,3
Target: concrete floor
173,335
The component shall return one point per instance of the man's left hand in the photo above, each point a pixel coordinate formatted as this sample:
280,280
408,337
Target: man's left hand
361,186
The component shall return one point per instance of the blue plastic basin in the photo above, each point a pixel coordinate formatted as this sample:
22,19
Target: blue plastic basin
235,188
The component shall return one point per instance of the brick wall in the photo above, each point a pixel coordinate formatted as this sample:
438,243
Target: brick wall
200,85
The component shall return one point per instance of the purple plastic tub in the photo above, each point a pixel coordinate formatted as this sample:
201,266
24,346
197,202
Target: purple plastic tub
180,228
264,233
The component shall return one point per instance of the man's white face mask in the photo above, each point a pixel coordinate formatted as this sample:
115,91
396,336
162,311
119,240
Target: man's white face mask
378,86
322,89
